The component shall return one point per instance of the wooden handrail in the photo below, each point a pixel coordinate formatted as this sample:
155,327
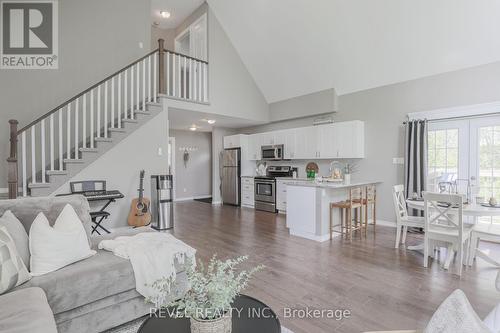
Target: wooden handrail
12,161
36,121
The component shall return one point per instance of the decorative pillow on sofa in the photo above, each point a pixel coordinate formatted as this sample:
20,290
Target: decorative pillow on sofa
456,315
18,234
13,272
53,247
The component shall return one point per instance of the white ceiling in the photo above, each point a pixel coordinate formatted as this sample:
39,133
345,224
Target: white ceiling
295,47
180,119
179,11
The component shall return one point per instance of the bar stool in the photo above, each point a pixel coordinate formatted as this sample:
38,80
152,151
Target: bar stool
370,200
354,202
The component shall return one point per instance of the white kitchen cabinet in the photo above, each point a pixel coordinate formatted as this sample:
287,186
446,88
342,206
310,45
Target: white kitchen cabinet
306,142
289,144
247,192
280,196
341,140
267,139
253,147
234,141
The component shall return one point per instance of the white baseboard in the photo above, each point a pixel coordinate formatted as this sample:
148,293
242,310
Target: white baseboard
384,223
192,198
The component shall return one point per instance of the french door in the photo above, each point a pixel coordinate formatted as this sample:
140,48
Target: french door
464,150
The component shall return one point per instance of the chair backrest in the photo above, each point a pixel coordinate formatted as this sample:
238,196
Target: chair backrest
398,196
443,212
355,195
371,193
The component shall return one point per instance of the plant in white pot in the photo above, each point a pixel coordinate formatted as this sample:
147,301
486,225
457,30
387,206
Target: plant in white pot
211,292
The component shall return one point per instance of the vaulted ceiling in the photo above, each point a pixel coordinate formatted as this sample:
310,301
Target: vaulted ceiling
295,47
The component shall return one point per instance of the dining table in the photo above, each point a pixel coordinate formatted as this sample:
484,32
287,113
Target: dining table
473,210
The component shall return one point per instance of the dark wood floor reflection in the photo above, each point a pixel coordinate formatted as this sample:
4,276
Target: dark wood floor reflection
384,288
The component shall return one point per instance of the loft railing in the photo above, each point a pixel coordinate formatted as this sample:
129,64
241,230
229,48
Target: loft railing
59,136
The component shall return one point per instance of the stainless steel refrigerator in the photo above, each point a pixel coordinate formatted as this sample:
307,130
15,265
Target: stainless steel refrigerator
231,173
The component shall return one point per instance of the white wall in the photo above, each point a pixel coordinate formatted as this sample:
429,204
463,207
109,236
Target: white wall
384,109
120,166
194,179
96,38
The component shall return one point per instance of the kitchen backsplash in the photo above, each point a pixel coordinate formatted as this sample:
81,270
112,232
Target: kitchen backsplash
324,166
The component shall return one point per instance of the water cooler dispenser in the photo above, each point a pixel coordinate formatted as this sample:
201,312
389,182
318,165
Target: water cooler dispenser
162,209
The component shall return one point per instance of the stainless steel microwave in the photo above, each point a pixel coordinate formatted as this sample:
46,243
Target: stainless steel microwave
272,153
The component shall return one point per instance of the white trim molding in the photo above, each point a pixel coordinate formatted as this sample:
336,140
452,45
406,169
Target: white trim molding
492,108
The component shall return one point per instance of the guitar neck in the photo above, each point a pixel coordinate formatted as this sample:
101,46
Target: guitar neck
141,189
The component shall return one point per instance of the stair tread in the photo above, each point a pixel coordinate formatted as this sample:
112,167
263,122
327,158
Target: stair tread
133,121
103,139
39,185
90,150
73,161
57,172
120,130
142,112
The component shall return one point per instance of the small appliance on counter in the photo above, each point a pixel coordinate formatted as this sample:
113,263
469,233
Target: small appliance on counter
265,187
162,208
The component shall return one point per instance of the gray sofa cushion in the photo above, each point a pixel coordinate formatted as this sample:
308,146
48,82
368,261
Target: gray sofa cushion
26,209
18,234
26,311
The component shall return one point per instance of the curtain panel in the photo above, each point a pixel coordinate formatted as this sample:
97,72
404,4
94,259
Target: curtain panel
415,157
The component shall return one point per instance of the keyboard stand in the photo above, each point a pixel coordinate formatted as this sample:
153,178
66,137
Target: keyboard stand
99,216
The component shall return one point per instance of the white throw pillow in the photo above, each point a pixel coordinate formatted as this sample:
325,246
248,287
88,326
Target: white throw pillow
54,247
13,272
456,315
492,320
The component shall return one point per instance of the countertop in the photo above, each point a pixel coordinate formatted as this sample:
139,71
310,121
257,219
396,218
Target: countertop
312,183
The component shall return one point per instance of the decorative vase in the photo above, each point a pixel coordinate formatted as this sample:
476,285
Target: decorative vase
219,325
347,178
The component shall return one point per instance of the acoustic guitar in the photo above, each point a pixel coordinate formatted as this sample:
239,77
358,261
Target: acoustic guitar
140,215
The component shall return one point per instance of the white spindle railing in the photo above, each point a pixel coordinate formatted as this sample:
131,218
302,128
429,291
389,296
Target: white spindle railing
47,143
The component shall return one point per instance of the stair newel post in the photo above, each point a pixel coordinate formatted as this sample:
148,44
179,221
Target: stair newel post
161,66
12,161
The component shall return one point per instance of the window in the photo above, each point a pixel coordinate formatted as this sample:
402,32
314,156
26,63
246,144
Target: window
442,157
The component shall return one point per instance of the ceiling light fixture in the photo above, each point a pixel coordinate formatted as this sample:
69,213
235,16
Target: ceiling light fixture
165,14
211,121
193,128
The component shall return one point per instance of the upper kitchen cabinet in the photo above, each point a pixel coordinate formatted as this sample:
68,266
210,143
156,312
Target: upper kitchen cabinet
306,143
341,140
234,141
253,147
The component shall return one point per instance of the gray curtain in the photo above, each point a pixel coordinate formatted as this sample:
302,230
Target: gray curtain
415,157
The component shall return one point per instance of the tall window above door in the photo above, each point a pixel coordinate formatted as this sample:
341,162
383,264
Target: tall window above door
193,41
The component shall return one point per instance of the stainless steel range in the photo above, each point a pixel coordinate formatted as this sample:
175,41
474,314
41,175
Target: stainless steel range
265,187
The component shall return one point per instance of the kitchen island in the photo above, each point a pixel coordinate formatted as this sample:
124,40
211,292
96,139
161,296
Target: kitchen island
308,206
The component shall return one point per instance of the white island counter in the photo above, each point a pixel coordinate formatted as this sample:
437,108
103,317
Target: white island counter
307,208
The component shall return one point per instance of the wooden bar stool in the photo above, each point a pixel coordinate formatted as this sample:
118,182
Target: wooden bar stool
354,202
370,200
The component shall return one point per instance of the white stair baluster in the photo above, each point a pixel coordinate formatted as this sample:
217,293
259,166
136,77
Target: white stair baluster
190,91
84,121
92,134
33,155
155,78
144,85
205,83
98,112
23,154
119,111
77,106
137,86
132,106
60,135
179,82
167,78
199,81
174,82
149,79
42,150
106,109
52,162
68,131
125,93
112,103
185,77
195,80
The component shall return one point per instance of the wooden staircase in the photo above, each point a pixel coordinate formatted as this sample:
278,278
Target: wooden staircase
48,152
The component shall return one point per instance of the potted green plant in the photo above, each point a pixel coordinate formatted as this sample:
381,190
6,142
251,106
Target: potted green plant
211,292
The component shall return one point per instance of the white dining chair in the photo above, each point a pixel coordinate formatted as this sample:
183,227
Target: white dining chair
483,231
444,223
403,221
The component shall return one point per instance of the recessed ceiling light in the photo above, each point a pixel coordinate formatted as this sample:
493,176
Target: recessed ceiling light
193,128
211,121
165,14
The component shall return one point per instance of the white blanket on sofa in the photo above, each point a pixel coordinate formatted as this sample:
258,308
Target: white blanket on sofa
152,255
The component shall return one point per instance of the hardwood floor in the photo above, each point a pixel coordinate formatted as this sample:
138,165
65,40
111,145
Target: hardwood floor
384,288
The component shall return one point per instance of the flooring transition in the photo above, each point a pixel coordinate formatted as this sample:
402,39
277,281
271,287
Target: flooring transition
383,288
